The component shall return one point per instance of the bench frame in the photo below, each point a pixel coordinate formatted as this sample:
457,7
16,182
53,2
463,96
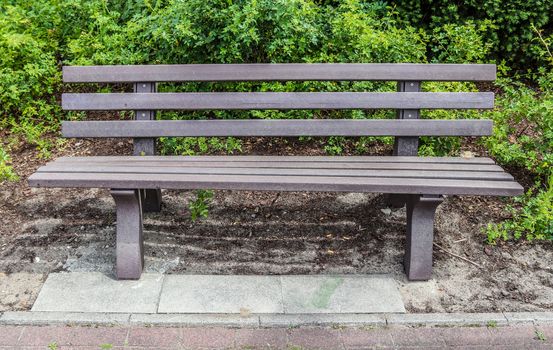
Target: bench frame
132,202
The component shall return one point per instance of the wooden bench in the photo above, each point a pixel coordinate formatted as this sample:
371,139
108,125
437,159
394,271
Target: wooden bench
135,181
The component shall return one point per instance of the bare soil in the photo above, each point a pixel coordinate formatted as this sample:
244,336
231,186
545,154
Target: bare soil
47,230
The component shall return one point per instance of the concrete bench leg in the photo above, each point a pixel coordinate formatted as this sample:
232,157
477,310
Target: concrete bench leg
151,200
420,234
129,251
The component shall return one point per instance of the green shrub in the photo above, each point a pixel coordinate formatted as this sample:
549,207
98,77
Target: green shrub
219,31
523,137
511,36
532,220
523,125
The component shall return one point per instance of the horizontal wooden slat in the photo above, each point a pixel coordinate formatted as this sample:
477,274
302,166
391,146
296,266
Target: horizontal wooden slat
276,183
277,100
280,159
280,72
176,169
272,162
287,127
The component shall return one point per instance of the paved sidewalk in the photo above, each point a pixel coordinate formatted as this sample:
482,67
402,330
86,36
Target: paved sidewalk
220,294
71,337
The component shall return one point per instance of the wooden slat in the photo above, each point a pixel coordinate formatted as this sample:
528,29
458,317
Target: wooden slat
285,127
303,165
276,183
277,100
281,159
279,72
150,169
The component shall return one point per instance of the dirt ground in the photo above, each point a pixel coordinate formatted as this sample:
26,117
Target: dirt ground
47,230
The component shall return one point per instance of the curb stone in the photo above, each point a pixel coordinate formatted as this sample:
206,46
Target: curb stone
195,320
31,318
448,319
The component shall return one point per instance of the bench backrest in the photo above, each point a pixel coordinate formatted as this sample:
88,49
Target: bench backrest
408,101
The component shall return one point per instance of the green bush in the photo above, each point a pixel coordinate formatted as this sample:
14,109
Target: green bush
219,31
523,125
36,37
523,137
511,36
532,220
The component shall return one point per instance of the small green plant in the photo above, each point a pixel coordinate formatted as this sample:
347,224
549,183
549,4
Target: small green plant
6,171
540,335
533,220
53,346
199,207
491,324
106,346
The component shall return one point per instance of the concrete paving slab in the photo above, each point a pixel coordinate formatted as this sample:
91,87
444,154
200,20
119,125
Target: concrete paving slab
341,294
221,294
96,292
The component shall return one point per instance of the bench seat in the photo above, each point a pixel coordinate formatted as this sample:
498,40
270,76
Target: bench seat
407,175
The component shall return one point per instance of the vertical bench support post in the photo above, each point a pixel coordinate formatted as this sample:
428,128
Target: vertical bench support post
420,234
129,246
408,145
151,198
405,145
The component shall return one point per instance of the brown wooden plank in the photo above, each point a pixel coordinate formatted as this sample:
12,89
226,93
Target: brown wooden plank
276,183
303,159
306,165
276,100
284,127
279,72
147,169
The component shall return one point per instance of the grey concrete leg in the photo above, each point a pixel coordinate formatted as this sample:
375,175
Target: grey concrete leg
129,251
151,200
420,234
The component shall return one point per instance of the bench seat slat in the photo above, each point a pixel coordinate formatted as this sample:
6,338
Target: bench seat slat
276,183
303,159
283,127
123,169
275,164
276,100
279,72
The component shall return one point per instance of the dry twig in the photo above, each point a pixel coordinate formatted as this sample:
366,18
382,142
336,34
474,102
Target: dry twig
457,256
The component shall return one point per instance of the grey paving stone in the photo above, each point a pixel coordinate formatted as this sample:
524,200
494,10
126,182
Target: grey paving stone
221,294
295,320
447,319
35,318
96,292
341,294
188,320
